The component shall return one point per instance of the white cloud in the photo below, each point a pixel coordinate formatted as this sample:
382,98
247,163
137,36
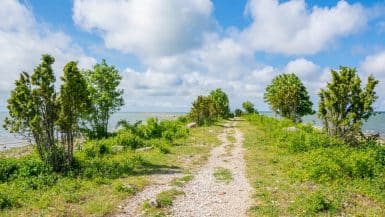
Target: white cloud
305,69
146,27
374,64
23,40
292,28
184,54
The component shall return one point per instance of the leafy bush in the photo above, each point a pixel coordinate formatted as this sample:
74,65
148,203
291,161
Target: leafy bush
7,202
238,113
8,168
172,130
312,204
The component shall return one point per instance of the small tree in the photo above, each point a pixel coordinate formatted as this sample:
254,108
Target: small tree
33,111
103,82
203,111
288,97
344,104
74,104
249,107
221,103
238,112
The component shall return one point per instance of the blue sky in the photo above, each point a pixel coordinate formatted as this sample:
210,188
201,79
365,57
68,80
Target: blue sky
170,51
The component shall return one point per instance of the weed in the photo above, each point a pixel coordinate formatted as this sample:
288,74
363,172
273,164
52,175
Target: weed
223,175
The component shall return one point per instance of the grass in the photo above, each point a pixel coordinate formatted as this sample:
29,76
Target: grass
306,173
223,175
164,200
93,193
180,182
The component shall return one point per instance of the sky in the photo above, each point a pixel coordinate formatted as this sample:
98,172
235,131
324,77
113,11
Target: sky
170,51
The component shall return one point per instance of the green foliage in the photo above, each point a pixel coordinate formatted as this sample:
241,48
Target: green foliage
8,168
180,182
74,105
310,173
7,202
288,97
33,111
165,198
312,204
206,110
128,189
203,111
221,103
344,105
238,113
103,82
223,175
249,107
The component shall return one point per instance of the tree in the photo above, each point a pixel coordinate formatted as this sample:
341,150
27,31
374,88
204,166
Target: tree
103,82
221,103
249,107
288,97
74,105
203,111
33,111
344,105
238,112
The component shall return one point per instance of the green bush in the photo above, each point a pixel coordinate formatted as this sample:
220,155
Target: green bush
98,148
312,204
380,156
7,202
8,169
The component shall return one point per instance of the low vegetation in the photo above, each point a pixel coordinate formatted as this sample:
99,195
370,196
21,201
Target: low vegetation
223,175
299,170
106,171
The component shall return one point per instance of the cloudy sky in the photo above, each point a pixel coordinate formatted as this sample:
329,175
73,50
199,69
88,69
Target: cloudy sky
171,51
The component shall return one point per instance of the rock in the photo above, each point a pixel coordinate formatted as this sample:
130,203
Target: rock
144,149
153,203
191,125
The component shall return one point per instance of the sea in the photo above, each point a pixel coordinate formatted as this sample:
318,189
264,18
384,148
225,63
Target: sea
375,124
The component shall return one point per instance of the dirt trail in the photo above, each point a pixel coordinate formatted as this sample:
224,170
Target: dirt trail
205,196
133,206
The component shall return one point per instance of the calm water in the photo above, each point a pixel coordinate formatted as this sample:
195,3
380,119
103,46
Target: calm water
8,140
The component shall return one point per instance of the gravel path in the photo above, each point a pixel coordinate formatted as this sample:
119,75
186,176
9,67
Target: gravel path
205,196
133,206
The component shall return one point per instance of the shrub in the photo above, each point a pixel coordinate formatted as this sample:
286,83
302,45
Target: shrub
8,168
7,202
238,113
312,204
380,156
98,148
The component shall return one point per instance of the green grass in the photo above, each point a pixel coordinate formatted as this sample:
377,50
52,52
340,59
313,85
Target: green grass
164,201
223,175
100,183
180,182
165,198
307,173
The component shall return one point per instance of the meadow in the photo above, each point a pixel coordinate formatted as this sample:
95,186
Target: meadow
297,170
